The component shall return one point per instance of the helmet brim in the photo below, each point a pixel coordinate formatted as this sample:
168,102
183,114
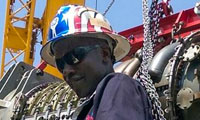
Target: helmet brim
120,51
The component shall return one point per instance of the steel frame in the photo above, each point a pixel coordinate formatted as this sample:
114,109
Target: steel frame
188,20
17,40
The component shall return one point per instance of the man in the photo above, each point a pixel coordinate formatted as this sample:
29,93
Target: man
83,47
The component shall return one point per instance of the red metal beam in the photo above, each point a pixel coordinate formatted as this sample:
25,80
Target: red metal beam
42,65
188,17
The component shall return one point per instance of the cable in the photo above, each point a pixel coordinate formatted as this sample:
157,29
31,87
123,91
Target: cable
110,5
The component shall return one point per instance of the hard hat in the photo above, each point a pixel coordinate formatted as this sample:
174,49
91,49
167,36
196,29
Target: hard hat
75,20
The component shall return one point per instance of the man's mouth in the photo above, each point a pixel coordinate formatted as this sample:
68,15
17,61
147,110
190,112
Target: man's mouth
76,79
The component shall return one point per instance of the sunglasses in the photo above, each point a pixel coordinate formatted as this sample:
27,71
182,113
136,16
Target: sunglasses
74,57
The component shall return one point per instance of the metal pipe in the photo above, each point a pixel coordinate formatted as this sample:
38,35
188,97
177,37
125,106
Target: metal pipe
160,61
131,66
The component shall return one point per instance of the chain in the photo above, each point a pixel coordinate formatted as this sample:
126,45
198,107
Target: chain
150,23
110,5
155,15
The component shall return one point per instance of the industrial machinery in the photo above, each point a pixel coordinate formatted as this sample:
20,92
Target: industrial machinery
35,93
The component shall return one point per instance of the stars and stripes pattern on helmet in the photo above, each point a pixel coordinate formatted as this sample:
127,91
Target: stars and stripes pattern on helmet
74,19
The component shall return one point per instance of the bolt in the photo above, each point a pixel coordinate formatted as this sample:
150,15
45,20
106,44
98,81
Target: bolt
181,23
195,71
39,72
198,5
185,51
185,107
193,45
63,117
181,57
167,110
178,104
41,118
197,8
161,39
23,68
52,117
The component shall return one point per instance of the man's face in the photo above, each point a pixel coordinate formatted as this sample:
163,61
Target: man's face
84,76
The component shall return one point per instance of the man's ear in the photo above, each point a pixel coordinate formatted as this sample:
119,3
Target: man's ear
106,55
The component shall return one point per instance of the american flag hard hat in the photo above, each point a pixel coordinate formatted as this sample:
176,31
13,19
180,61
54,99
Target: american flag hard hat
75,20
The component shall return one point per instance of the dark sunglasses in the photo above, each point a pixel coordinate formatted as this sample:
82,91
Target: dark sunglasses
74,57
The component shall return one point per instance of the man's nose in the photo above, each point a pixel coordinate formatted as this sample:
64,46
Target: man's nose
68,71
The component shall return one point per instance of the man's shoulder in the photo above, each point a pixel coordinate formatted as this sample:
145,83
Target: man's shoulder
119,78
118,88
115,82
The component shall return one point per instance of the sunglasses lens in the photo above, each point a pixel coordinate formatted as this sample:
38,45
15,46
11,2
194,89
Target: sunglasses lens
60,64
73,57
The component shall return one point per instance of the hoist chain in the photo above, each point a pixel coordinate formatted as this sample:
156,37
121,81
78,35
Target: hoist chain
151,27
155,15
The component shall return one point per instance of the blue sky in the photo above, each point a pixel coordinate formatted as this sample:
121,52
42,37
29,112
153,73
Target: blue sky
122,15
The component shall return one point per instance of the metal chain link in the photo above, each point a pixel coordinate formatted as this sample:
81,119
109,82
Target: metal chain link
150,23
155,15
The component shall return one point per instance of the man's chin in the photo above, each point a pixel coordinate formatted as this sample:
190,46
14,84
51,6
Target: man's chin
82,95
